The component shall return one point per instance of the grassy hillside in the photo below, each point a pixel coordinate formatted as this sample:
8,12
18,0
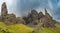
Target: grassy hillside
20,28
49,30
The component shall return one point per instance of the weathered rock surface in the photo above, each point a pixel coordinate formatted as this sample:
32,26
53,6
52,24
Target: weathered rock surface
9,19
20,20
33,18
40,15
4,11
47,20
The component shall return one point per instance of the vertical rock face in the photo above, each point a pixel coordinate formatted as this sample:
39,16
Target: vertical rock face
40,15
47,20
34,14
47,14
4,11
33,18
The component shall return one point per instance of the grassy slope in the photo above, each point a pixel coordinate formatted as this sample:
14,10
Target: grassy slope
51,30
19,28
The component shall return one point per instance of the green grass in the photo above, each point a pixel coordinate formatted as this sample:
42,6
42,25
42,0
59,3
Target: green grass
50,30
20,28
17,28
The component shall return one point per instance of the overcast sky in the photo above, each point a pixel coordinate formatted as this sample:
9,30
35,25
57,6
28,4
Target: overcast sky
22,7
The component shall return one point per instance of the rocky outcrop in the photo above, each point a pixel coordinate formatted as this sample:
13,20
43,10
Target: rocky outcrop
47,20
40,15
4,11
33,18
47,14
9,19
20,20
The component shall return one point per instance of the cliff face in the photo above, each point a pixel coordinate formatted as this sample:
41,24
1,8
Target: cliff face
33,18
40,15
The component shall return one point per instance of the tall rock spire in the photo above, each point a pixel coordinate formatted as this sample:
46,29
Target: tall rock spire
47,14
4,11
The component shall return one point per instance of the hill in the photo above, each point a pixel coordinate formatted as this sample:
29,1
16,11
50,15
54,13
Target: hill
41,29
20,28
17,28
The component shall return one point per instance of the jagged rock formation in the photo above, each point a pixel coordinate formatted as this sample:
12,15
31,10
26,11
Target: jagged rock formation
47,14
34,18
9,19
47,20
40,15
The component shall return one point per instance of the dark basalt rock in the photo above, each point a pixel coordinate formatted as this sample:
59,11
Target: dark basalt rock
40,15
33,17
